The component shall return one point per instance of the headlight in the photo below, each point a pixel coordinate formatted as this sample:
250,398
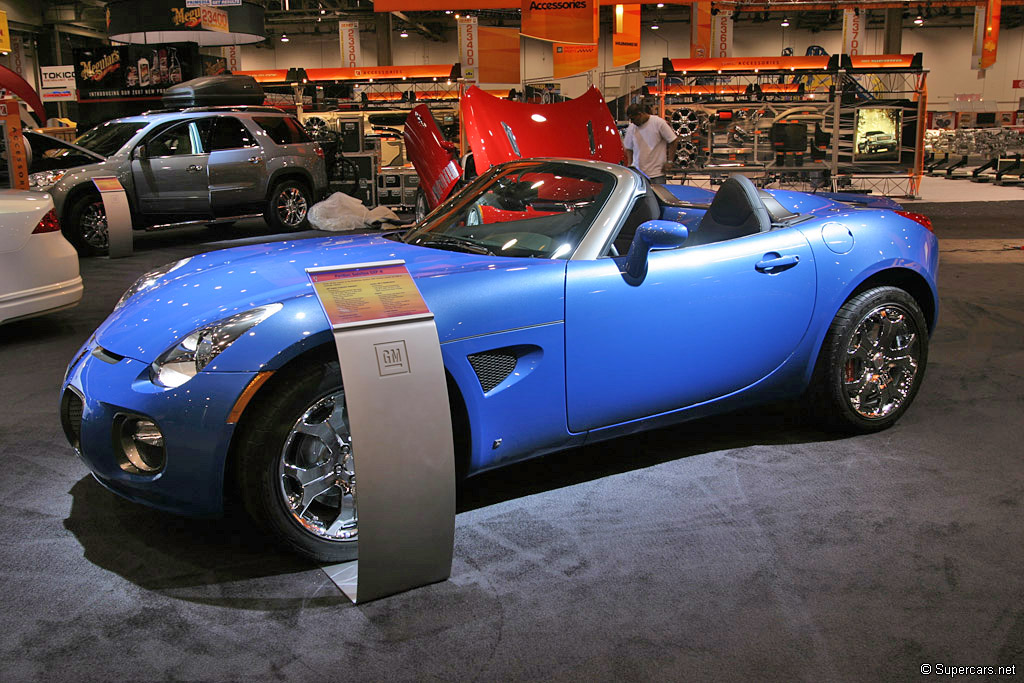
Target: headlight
44,180
181,362
149,279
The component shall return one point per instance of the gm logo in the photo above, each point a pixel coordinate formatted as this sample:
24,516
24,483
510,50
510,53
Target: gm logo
392,358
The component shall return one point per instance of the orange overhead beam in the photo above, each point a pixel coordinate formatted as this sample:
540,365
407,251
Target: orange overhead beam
441,5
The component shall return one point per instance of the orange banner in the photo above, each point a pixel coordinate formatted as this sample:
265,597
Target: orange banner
564,21
990,43
700,30
442,5
570,60
365,73
499,55
744,64
626,35
10,114
266,75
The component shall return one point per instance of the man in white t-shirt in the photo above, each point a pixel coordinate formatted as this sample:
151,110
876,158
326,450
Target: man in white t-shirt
650,143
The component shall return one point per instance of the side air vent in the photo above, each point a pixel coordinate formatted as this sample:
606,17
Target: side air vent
71,408
492,367
107,356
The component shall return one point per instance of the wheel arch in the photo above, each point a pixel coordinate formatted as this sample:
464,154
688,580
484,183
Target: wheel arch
323,353
298,174
910,281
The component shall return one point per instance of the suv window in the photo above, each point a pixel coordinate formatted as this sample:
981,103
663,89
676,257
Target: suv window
175,141
283,130
228,133
106,138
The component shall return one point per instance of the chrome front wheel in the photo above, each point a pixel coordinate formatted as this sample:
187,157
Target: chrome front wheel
294,468
316,471
86,225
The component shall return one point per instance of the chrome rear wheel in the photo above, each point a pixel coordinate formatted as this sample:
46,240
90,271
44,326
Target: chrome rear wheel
882,360
872,362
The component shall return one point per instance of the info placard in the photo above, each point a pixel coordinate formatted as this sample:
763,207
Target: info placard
368,292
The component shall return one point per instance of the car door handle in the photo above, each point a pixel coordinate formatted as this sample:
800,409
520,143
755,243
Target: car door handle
254,160
195,168
773,263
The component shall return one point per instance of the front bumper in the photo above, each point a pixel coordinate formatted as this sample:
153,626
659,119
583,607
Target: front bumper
192,418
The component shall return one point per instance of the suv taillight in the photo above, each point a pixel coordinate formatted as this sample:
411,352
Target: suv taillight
917,218
47,223
319,152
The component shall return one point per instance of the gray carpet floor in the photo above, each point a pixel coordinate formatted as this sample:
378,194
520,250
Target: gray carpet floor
749,547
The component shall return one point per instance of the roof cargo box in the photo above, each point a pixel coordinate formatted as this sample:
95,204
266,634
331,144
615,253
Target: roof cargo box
213,91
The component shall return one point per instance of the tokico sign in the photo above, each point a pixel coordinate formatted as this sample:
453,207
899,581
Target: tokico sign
58,76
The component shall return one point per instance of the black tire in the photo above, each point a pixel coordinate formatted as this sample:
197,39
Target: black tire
288,206
421,210
872,362
85,225
271,448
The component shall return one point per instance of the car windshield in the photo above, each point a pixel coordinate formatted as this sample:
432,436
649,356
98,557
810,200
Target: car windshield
527,208
107,138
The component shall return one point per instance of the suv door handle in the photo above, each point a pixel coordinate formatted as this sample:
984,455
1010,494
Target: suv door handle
194,168
773,263
254,160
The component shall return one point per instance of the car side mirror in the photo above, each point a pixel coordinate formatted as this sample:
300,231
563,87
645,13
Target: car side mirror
139,152
656,234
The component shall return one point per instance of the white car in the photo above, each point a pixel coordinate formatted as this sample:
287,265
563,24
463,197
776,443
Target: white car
38,266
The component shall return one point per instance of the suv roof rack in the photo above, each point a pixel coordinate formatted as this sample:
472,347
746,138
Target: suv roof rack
223,107
235,107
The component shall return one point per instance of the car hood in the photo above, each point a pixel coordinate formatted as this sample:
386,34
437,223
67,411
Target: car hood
500,130
469,294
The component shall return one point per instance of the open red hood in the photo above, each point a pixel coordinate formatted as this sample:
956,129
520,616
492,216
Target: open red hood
500,130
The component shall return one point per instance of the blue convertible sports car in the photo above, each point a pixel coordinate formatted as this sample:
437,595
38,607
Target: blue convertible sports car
574,302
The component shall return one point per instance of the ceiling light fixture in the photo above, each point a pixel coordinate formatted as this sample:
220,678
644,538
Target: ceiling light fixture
403,34
284,37
654,27
919,20
785,22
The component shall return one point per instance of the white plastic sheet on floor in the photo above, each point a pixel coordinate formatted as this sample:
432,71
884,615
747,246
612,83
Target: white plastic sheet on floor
340,212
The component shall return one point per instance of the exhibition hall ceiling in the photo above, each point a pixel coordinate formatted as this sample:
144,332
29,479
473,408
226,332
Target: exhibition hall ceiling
311,15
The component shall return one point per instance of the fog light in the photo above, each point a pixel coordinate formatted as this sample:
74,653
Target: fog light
141,445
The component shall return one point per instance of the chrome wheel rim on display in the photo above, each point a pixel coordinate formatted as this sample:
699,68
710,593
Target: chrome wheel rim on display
882,361
292,206
93,225
317,471
317,128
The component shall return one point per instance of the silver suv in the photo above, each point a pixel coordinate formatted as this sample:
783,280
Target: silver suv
202,165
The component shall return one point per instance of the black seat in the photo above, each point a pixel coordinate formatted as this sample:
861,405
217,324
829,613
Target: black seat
735,211
645,208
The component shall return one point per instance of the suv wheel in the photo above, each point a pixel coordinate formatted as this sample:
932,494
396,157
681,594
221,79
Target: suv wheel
86,225
288,206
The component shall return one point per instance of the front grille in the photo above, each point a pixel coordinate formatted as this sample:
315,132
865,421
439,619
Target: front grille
492,367
71,416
